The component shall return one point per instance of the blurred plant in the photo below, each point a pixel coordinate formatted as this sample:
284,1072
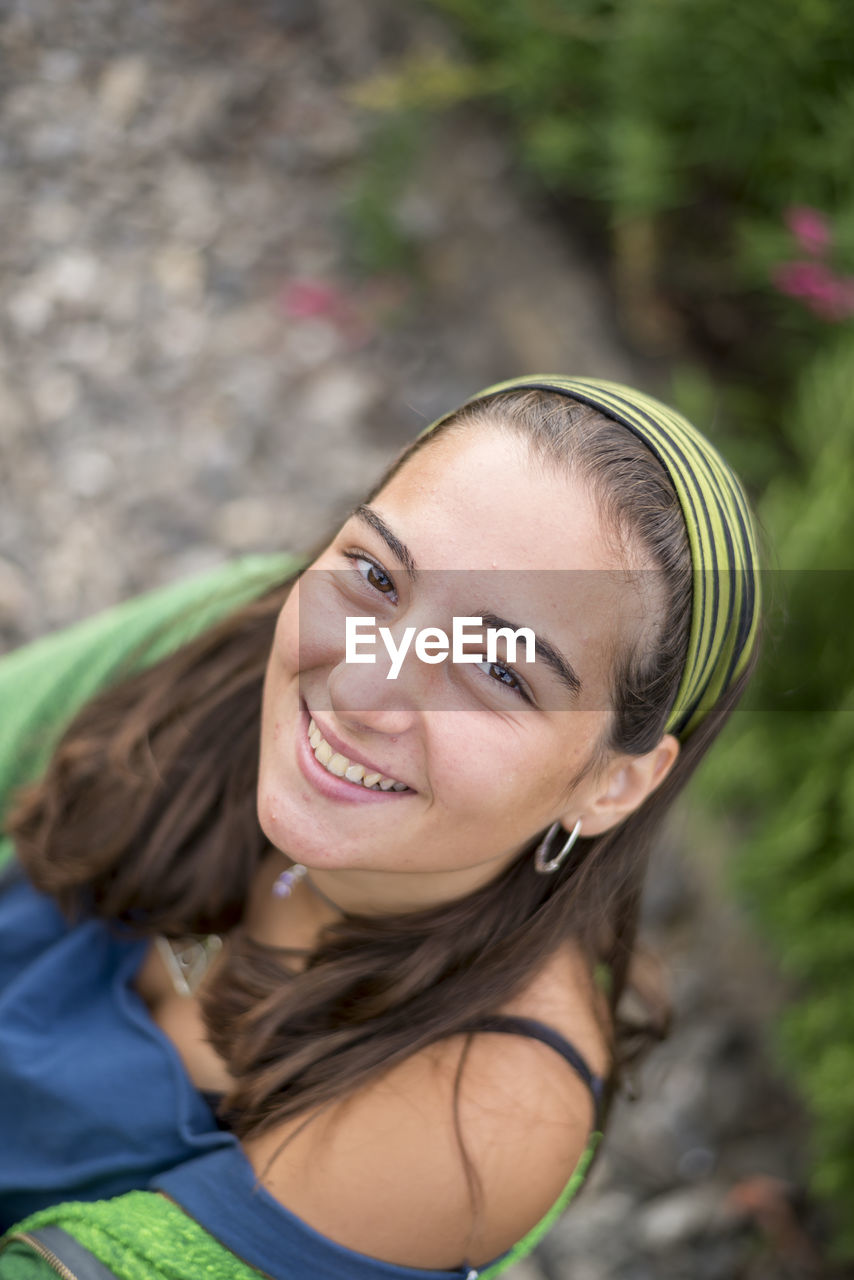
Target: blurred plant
377,238
788,769
355,312
712,146
426,79
810,228
687,126
828,294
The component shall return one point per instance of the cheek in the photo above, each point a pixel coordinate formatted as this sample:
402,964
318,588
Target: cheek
309,633
489,768
284,657
514,772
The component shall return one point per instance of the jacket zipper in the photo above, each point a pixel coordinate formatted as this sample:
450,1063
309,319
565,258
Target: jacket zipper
42,1250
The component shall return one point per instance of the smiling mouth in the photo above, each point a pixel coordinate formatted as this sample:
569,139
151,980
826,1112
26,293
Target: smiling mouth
341,767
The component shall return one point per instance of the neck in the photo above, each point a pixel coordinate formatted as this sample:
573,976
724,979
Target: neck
295,921
324,897
381,893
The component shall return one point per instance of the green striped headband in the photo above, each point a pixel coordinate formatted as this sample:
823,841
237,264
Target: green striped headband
726,589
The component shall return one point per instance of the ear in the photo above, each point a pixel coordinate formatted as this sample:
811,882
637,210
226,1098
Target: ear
622,787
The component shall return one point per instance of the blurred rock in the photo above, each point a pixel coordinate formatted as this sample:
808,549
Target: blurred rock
691,1211
55,395
89,472
670,893
60,66
18,608
121,89
29,310
180,271
72,277
247,523
527,1269
187,197
294,15
338,397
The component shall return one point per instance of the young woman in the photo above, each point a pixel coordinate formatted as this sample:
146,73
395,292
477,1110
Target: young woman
329,960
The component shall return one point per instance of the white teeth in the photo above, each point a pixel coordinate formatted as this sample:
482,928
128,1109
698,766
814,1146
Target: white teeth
339,765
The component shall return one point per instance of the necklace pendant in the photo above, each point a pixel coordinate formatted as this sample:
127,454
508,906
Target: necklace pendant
288,880
187,960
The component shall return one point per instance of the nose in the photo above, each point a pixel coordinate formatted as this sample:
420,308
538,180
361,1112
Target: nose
386,721
362,696
394,693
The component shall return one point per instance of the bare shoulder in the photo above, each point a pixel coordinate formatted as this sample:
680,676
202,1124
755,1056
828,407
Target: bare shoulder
564,996
382,1171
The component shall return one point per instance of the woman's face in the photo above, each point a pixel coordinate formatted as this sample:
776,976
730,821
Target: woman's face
487,751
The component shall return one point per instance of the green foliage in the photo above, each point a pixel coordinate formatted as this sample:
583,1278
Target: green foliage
737,415
693,127
665,99
705,120
378,242
424,80
790,764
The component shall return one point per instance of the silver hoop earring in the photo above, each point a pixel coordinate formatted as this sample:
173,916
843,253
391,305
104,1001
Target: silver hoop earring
547,868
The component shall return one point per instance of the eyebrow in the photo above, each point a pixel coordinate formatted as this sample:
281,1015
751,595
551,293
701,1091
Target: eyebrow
376,522
550,654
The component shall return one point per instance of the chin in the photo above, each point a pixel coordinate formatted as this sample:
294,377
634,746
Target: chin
272,813
284,833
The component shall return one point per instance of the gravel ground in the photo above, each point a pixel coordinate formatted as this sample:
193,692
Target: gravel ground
184,336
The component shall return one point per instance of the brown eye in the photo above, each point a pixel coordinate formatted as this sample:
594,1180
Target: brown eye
380,580
371,573
504,676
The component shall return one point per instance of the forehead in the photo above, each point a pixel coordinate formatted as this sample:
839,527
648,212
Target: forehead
481,500
499,506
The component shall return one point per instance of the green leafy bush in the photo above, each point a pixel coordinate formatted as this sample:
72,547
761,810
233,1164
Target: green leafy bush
650,103
789,768
713,145
690,126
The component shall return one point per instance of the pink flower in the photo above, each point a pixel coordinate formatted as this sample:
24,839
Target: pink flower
827,295
307,299
355,314
810,228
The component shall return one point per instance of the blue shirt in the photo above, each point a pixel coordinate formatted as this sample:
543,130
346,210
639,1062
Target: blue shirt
95,1100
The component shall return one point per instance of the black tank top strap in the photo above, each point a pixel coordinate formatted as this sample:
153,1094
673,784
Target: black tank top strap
513,1024
509,1024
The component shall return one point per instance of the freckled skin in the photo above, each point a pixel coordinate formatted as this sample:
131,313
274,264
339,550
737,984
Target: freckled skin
488,770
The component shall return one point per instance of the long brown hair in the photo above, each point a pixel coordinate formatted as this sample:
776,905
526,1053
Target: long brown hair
147,816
